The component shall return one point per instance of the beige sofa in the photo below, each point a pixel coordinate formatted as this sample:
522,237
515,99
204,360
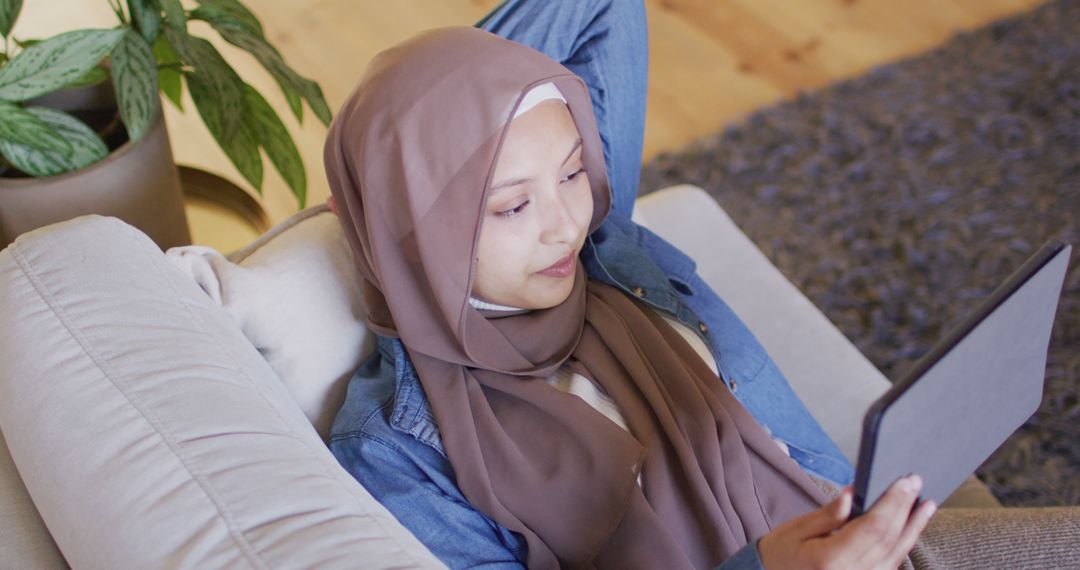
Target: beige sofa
169,410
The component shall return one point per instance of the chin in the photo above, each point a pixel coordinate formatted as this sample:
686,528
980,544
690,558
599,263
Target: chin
552,299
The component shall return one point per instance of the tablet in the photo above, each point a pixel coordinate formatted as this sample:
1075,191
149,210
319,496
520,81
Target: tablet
961,401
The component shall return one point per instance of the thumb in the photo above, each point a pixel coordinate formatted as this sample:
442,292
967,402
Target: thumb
826,519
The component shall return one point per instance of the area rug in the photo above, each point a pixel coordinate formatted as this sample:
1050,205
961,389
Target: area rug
899,199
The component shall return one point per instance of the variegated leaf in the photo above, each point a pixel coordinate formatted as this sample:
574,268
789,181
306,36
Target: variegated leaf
85,146
276,140
55,62
17,125
134,74
97,74
146,15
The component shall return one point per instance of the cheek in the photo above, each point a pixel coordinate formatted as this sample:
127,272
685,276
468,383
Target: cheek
502,258
583,205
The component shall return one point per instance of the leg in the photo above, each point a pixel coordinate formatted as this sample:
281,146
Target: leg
605,42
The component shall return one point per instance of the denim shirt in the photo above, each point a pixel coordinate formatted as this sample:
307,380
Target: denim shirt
385,433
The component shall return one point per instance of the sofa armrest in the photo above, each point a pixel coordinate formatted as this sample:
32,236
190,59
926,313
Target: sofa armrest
24,540
150,432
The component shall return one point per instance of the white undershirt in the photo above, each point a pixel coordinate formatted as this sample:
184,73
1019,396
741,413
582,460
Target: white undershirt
565,380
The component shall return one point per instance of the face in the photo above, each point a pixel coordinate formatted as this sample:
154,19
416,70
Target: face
537,213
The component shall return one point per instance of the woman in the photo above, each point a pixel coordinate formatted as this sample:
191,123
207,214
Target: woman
538,396
534,373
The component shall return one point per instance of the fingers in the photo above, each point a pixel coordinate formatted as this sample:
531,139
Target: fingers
875,533
826,519
787,543
792,544
915,525
878,539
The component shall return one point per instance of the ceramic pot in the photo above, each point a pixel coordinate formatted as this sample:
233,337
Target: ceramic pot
138,183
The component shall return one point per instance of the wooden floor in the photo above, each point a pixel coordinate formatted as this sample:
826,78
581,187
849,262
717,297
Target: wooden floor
711,61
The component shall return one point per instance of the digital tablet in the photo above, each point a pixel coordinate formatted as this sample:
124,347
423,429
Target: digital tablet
961,401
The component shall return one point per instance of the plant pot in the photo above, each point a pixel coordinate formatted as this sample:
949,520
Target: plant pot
138,183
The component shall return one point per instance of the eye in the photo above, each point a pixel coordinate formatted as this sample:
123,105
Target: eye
513,211
574,175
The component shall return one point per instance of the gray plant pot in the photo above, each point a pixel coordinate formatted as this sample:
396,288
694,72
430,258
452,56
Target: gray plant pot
138,183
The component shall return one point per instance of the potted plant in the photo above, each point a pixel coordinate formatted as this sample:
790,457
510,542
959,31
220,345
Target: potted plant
81,127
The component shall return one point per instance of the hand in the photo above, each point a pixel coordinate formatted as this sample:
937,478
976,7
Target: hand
878,539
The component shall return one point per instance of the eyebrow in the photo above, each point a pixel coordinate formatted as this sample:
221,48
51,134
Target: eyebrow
516,181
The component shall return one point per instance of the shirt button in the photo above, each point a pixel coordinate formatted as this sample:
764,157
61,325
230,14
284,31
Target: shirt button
734,387
704,328
639,292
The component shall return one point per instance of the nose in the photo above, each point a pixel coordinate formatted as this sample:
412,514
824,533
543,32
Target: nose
559,225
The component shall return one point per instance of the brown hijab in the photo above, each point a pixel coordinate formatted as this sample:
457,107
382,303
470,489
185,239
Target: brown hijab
410,158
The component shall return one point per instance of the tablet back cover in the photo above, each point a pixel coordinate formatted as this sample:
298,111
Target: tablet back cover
944,422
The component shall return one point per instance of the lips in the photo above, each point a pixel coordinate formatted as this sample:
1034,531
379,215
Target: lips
562,268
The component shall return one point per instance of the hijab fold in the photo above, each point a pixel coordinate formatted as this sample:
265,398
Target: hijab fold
410,159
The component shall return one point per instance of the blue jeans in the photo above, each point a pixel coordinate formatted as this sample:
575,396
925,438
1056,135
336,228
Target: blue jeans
606,44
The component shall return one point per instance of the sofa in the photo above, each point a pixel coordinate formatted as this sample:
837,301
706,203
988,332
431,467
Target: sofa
171,409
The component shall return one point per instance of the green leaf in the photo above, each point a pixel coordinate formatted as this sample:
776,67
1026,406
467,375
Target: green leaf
286,78
276,140
175,19
9,12
20,126
241,34
296,104
97,74
146,15
23,44
228,10
243,152
291,83
221,91
168,78
178,42
314,96
85,146
55,62
239,143
134,74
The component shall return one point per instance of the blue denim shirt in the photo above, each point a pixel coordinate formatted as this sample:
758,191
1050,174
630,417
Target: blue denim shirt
386,436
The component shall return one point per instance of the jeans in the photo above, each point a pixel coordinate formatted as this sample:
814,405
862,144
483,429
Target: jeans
606,44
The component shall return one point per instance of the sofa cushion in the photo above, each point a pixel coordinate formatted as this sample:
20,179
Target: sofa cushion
295,293
148,430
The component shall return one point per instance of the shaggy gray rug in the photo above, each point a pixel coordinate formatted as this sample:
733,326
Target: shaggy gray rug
897,200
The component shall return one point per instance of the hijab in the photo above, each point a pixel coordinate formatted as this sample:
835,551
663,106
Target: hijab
410,158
